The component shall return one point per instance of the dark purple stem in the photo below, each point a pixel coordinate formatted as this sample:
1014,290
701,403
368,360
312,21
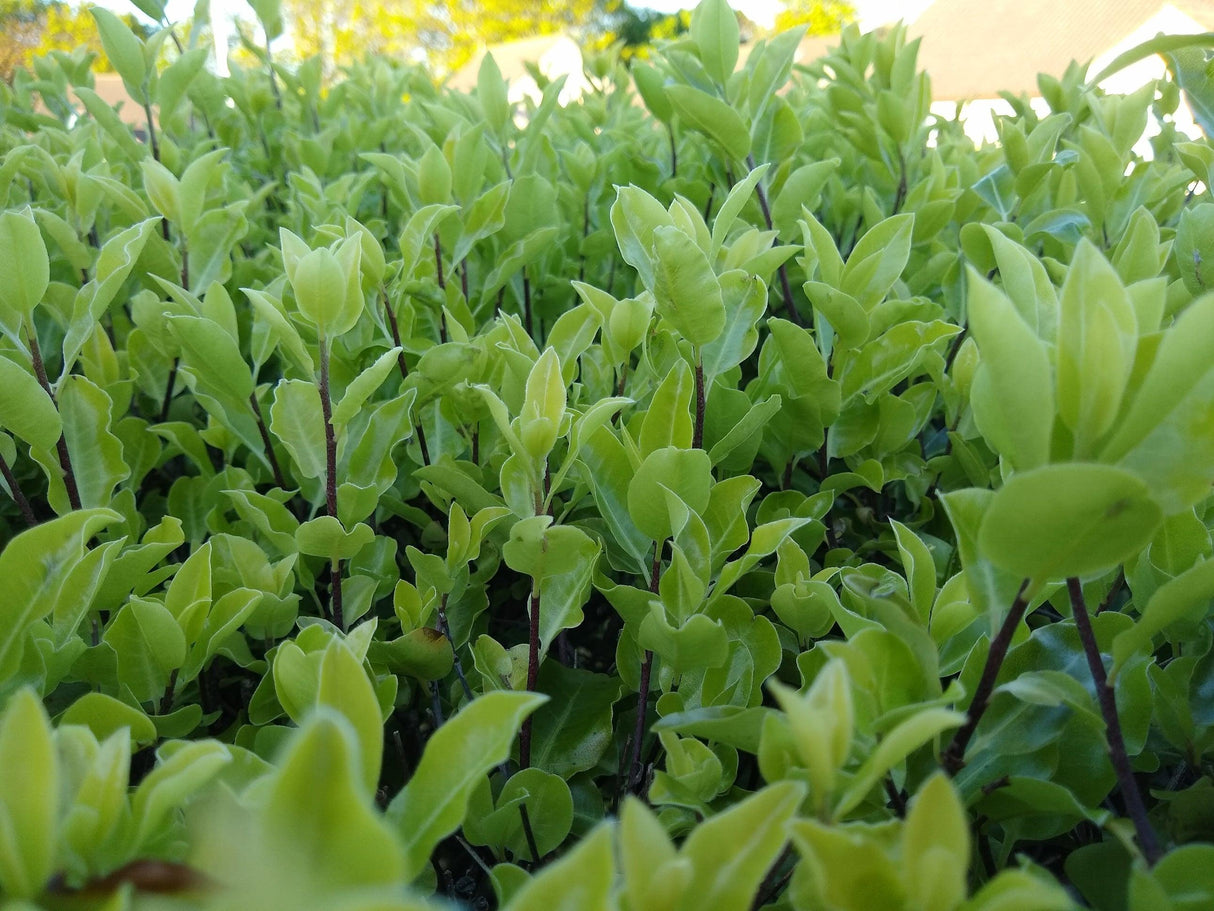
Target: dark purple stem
1108,709
636,772
790,308
326,408
697,437
65,458
279,480
23,504
533,674
954,756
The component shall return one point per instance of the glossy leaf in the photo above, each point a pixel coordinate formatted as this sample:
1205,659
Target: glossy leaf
1068,520
29,797
431,805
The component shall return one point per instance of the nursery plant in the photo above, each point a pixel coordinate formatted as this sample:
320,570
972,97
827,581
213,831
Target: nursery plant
731,489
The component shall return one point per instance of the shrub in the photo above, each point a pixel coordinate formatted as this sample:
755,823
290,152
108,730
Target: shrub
379,444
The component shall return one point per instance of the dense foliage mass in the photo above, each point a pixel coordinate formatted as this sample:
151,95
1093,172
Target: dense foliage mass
369,450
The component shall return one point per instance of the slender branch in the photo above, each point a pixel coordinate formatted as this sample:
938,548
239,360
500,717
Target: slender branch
697,436
1114,591
326,408
65,458
954,756
438,263
155,144
14,488
279,480
774,882
533,673
436,703
394,326
168,392
790,308
445,628
527,303
674,151
528,833
636,773
1116,742
166,701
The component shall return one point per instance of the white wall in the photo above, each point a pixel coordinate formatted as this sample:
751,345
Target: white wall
978,116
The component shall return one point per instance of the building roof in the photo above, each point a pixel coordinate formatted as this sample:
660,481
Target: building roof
977,48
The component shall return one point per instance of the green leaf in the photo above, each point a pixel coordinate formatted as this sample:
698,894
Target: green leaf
124,50
899,743
1163,436
745,300
25,409
687,473
327,290
714,29
29,796
1067,520
269,14
213,354
739,195
712,117
344,686
570,733
319,822
363,387
114,265
104,715
149,644
324,536
26,272
732,724
752,423
549,806
729,868
635,215
579,881
667,420
878,260
919,567
560,560
936,846
688,292
1160,44
431,805
543,406
297,421
1097,341
1186,596
86,410
1012,393
491,92
650,86
33,565
175,779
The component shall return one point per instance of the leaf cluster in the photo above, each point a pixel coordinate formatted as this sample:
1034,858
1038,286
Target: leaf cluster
687,497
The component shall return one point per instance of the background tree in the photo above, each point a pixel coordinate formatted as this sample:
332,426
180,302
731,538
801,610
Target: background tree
443,34
31,28
822,17
21,24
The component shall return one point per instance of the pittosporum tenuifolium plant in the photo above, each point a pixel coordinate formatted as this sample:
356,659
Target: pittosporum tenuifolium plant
730,490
